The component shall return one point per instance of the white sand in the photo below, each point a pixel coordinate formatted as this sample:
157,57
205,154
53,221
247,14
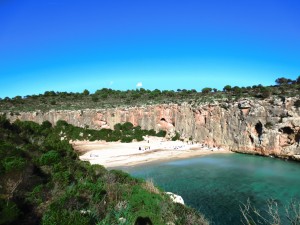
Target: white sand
116,154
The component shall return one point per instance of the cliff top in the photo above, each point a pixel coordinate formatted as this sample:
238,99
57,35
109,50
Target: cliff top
108,98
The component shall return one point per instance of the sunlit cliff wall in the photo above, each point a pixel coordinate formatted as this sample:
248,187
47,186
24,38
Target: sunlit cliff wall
267,127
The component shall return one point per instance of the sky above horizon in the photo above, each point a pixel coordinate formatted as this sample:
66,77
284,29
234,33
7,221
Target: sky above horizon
64,45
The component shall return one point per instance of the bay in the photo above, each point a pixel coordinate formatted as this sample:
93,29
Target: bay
217,185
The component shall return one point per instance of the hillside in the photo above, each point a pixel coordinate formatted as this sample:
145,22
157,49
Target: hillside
43,182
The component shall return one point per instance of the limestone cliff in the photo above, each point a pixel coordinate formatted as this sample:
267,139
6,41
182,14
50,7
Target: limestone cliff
266,127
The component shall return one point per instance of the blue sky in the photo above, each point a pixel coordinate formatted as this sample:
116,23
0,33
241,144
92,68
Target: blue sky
74,45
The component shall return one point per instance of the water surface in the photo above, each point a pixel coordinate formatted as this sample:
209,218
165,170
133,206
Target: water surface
217,184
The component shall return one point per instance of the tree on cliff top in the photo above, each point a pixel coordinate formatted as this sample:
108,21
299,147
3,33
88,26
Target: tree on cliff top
227,88
85,92
283,81
206,90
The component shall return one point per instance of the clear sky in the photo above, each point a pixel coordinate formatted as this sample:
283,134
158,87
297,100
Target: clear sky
64,45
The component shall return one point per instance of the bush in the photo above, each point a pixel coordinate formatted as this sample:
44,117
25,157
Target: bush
151,132
95,98
176,137
61,124
139,138
118,127
126,139
62,177
206,90
122,177
13,163
46,125
127,126
50,157
4,122
35,195
161,133
265,92
65,217
227,88
146,204
85,92
9,212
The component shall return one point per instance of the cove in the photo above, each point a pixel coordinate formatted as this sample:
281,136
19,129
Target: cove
217,185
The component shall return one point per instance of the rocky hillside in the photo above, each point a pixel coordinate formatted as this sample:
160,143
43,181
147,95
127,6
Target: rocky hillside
268,126
42,181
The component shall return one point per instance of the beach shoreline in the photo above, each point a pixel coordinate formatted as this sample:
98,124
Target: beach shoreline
151,150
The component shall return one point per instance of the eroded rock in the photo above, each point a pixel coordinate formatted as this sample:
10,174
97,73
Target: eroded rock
237,126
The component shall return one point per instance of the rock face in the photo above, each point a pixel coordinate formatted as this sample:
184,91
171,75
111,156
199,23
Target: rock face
265,127
175,198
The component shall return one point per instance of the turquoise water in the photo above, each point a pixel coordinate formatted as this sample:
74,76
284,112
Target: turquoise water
216,185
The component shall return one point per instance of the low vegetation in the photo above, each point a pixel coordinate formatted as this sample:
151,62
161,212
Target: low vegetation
274,214
43,182
125,132
108,98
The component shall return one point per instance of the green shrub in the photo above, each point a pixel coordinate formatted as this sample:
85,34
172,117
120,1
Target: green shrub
161,133
13,163
126,139
95,98
61,124
122,210
35,195
127,126
139,138
103,134
122,177
65,217
151,132
99,170
62,177
46,125
50,157
118,127
265,92
176,137
9,212
146,204
206,90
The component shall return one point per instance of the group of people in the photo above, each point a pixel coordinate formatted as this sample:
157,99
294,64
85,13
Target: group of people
180,146
144,148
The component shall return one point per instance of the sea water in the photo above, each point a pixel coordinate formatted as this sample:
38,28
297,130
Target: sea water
217,185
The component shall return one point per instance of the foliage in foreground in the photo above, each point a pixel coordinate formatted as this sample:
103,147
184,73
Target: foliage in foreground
43,182
272,215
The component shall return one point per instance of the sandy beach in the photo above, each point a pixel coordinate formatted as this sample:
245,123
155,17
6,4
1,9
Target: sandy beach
117,154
